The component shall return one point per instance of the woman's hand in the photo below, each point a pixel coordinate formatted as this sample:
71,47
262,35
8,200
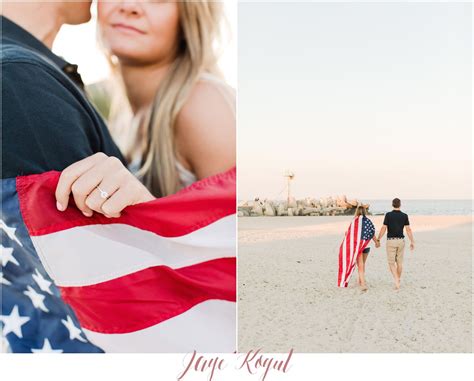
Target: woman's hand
377,242
102,184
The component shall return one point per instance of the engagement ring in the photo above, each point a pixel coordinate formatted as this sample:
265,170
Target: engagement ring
103,193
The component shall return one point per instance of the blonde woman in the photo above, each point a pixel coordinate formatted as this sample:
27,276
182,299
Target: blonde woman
183,126
361,210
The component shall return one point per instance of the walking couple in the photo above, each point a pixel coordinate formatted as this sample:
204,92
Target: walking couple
355,246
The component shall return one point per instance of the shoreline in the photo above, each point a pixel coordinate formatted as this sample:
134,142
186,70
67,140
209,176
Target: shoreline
308,226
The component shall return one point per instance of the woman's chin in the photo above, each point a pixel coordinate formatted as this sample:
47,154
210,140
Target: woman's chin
128,57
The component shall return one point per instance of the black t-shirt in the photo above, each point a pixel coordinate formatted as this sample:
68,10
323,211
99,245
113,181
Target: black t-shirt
47,122
395,221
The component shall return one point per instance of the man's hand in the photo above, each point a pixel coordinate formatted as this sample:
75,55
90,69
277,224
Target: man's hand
377,242
412,246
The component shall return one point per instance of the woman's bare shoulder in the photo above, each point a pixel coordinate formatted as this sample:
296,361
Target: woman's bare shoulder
208,100
205,129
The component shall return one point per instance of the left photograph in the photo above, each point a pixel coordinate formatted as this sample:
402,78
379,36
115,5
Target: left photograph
118,218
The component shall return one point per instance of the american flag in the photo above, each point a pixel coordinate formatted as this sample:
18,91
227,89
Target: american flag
161,278
358,235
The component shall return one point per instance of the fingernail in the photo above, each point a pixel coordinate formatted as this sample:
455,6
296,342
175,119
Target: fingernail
87,214
59,206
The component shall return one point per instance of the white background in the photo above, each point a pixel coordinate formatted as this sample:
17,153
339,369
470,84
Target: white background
324,367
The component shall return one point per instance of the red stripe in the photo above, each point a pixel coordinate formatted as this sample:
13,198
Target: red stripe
339,275
349,250
354,247
199,205
342,258
353,254
148,297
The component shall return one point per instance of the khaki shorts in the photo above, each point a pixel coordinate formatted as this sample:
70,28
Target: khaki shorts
395,250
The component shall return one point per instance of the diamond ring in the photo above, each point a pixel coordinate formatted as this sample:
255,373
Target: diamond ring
103,193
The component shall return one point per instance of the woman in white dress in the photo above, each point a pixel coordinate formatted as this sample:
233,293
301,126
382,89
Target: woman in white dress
182,125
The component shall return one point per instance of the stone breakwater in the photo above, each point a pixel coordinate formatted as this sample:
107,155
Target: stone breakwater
329,206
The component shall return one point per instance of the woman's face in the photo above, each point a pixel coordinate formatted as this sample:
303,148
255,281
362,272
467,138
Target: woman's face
140,32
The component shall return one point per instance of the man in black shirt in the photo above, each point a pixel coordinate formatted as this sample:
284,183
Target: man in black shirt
394,223
47,122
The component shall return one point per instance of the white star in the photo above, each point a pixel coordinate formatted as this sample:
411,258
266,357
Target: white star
36,298
42,283
10,232
13,322
7,256
46,348
3,280
74,332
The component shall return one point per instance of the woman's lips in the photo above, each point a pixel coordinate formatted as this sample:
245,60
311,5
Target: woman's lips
127,28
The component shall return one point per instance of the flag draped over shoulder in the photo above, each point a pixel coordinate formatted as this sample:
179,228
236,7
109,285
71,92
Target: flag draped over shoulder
358,235
160,278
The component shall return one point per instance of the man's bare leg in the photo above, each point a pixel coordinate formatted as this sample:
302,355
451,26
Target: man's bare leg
399,261
394,271
399,271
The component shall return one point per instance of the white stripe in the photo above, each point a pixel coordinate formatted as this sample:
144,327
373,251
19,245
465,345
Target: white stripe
358,240
88,255
207,327
354,253
351,253
346,254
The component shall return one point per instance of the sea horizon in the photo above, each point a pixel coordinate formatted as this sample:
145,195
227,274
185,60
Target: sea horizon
419,206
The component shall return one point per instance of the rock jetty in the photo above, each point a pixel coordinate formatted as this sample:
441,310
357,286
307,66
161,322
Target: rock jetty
329,206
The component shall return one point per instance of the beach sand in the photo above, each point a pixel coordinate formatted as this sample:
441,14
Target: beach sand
287,275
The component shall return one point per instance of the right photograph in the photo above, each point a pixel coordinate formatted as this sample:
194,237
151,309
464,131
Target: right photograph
355,177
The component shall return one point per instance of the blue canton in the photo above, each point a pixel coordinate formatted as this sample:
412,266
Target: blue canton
368,229
33,318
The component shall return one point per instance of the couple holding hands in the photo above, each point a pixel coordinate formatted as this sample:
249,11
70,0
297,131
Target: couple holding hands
395,224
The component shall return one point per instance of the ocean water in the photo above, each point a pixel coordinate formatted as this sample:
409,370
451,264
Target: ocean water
424,207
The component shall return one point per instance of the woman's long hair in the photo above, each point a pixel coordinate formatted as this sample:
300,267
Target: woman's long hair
361,210
200,22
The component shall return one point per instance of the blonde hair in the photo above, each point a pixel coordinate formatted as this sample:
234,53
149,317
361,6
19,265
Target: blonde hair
361,210
200,23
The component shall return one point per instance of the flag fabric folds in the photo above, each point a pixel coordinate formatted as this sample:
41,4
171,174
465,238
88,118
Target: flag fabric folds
358,236
160,278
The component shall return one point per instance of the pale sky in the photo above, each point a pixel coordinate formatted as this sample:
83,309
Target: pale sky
78,45
370,100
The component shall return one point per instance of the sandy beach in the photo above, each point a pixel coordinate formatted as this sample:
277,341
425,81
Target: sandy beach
287,272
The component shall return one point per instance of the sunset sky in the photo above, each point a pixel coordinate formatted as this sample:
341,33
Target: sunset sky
369,100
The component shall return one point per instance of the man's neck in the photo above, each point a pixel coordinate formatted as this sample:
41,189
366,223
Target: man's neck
396,209
41,19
